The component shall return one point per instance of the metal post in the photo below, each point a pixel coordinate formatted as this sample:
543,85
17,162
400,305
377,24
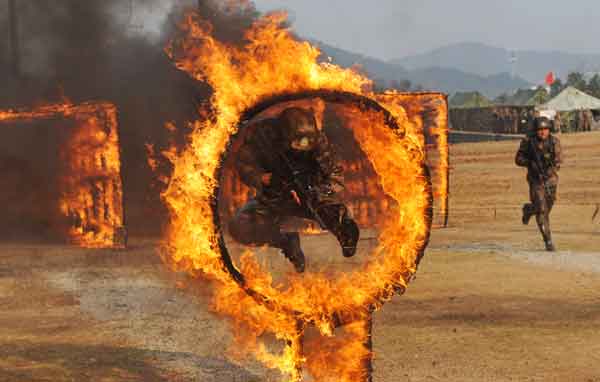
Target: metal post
446,202
297,347
368,361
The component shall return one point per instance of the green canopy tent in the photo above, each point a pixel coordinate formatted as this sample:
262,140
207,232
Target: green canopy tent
571,99
574,108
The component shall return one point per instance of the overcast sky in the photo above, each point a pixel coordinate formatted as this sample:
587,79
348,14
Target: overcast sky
395,28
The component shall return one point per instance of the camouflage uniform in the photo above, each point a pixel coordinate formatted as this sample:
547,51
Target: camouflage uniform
266,150
543,183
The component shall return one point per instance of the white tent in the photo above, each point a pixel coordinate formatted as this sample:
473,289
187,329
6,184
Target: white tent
571,99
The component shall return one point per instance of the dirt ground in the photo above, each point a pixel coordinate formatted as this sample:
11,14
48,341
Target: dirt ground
487,305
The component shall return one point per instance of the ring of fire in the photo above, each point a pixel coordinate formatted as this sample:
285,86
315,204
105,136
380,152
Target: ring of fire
350,298
271,62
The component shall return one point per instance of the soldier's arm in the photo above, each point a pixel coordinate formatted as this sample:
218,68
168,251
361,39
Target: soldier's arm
329,162
522,157
558,154
247,164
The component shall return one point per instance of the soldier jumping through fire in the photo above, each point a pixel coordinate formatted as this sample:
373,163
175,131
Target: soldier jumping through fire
541,154
291,165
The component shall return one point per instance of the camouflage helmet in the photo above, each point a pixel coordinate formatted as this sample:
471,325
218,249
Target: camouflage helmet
542,123
300,128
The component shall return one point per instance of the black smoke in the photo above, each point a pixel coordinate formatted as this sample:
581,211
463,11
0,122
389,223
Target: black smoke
113,50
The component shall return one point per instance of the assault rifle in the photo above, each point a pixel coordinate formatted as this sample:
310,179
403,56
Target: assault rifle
303,189
541,169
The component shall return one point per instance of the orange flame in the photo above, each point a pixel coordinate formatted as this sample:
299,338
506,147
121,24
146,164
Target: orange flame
340,358
90,182
274,63
420,106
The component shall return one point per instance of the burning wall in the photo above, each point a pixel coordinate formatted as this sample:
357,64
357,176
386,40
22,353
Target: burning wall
429,111
89,180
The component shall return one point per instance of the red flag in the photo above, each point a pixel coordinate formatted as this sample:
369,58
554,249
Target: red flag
550,78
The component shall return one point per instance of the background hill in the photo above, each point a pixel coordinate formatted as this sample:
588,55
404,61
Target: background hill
485,60
446,79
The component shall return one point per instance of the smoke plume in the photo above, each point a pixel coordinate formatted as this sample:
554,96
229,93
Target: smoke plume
113,50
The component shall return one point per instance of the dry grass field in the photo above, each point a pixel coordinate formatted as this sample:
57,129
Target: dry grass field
487,305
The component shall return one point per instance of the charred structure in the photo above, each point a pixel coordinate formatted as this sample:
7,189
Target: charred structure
88,50
89,175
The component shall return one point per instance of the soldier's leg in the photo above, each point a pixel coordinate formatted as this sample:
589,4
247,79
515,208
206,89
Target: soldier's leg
542,210
543,222
550,199
339,222
536,196
258,224
255,224
553,187
529,209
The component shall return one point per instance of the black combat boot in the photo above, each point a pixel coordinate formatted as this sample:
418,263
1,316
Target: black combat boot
528,212
290,246
347,234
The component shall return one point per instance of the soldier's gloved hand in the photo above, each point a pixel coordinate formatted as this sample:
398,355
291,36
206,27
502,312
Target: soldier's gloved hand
324,189
266,179
282,183
336,186
296,197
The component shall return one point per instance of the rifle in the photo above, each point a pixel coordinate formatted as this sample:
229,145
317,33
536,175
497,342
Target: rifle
303,191
541,170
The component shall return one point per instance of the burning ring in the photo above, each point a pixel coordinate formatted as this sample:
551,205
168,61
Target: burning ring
403,238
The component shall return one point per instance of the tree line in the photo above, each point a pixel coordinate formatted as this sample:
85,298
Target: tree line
532,96
578,81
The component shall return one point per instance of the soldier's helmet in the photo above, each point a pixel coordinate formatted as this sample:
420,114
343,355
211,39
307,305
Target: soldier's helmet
542,123
300,128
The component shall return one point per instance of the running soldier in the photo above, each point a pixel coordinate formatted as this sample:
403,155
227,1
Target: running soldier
541,154
292,167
